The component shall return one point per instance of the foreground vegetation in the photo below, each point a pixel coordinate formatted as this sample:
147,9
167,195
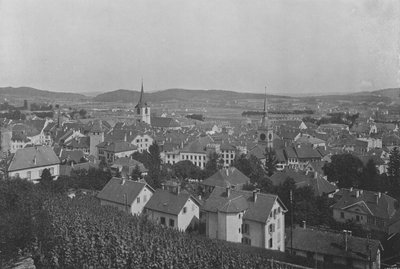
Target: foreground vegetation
63,232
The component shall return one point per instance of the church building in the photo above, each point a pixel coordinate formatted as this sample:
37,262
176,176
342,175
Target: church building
142,111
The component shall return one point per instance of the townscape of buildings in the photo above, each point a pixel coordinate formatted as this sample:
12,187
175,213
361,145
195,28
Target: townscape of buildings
229,211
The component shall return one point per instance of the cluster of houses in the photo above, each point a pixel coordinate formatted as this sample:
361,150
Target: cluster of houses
229,212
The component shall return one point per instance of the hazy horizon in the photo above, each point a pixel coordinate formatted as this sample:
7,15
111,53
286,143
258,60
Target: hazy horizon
296,47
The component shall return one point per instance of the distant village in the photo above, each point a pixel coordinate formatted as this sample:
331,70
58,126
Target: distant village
324,191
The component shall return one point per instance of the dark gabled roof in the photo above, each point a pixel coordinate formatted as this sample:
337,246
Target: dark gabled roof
226,177
125,161
330,243
116,189
305,152
239,201
384,208
195,147
319,185
96,126
257,151
167,202
72,155
290,152
33,157
163,122
117,146
79,142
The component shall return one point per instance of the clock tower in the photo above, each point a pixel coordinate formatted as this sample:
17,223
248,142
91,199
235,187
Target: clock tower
265,131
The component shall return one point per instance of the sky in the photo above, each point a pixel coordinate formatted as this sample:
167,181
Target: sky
290,46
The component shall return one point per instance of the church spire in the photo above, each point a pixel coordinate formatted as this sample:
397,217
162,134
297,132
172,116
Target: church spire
141,98
264,120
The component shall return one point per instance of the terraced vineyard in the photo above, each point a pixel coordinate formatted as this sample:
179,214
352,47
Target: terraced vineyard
79,233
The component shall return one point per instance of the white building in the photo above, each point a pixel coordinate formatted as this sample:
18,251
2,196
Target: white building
253,218
142,142
127,195
30,162
176,210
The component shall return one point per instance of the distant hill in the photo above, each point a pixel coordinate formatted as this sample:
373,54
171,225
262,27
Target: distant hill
32,93
123,96
130,96
388,96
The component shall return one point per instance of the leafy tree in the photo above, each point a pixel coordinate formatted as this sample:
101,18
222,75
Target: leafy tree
242,163
136,174
82,113
394,163
394,172
270,162
46,179
345,169
20,204
213,164
186,169
370,179
154,162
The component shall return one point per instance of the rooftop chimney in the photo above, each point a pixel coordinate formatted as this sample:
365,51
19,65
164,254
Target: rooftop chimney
357,193
228,191
304,224
178,189
122,181
163,186
255,193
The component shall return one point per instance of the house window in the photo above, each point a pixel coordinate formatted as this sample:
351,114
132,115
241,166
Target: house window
270,245
274,213
162,221
171,222
138,200
271,228
52,170
342,215
184,210
278,224
357,218
246,228
29,175
239,216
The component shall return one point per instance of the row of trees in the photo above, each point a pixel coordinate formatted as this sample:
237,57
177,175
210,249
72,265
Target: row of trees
347,170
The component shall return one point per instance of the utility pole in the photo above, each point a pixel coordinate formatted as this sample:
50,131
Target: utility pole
291,222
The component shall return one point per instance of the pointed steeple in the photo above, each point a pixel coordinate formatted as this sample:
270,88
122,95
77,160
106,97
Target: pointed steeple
141,102
264,120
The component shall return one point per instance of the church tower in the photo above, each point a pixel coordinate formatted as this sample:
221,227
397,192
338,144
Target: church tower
265,131
142,111
96,136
